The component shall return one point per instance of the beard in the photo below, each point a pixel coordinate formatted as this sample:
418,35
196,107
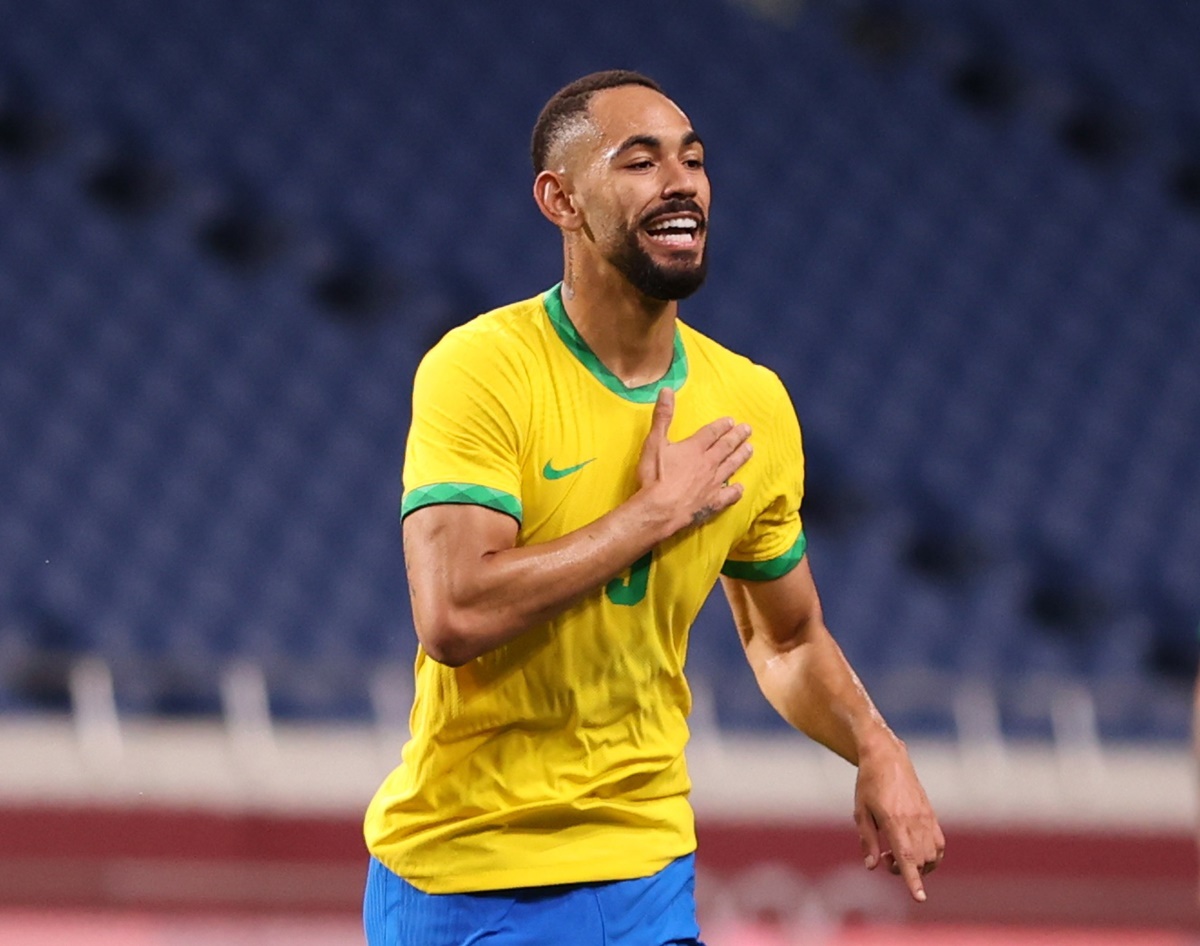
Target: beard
667,282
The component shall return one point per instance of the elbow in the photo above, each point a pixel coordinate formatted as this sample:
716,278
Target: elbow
450,637
448,658
445,644
451,653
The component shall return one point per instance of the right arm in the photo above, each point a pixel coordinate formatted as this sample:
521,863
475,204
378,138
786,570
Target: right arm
1196,742
473,589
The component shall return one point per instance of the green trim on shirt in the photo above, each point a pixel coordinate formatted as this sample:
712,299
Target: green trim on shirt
462,494
772,568
643,394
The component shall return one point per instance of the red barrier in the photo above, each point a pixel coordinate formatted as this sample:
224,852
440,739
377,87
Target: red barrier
775,874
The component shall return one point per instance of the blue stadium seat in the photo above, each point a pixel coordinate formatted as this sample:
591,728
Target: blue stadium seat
992,338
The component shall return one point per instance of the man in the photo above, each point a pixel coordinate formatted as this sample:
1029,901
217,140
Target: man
1196,741
578,474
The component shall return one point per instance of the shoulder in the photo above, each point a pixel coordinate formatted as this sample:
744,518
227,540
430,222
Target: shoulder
757,389
499,343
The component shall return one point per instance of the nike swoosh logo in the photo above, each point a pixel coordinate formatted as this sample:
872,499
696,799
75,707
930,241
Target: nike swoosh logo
551,473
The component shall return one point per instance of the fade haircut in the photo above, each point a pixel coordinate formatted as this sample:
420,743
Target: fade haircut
570,103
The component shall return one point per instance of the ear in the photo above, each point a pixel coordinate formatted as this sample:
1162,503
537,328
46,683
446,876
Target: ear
556,201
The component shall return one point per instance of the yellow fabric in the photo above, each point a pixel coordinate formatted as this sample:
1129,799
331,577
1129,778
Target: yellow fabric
559,757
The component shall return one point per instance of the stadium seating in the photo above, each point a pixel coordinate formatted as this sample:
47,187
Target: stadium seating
231,230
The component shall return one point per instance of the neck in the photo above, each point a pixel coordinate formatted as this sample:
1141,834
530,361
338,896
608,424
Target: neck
632,334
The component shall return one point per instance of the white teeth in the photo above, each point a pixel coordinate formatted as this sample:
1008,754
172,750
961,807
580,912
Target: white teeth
683,239
674,223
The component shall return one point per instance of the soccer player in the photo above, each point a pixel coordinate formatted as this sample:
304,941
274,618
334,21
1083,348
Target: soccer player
581,469
1196,739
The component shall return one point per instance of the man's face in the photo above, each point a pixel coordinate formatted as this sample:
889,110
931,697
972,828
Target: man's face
644,191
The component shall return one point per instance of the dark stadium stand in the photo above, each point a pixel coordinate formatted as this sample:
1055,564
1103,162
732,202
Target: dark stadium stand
968,245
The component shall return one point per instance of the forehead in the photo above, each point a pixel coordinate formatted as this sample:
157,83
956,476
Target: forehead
628,110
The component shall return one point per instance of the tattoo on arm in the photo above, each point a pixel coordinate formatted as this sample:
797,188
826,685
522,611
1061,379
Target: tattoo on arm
701,516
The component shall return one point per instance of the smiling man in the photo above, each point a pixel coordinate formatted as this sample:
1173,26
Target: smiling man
578,476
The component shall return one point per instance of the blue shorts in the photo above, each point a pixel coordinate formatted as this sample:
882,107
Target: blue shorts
652,911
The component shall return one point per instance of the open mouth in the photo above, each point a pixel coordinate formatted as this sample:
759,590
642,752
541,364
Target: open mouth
677,231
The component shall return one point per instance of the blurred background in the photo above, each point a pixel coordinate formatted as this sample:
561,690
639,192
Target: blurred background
964,233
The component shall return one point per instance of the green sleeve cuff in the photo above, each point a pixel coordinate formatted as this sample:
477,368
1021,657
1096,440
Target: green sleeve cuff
772,568
461,494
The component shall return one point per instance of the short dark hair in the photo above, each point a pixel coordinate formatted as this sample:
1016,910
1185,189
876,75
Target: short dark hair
572,100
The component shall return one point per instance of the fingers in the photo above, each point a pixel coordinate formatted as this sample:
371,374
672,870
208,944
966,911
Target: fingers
939,853
722,435
908,850
697,468
868,836
664,410
734,462
912,878
709,434
728,495
730,449
915,857
898,858
939,843
731,439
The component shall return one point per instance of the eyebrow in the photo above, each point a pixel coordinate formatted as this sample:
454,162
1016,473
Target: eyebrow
652,141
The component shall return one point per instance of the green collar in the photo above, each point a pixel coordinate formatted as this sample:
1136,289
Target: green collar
643,394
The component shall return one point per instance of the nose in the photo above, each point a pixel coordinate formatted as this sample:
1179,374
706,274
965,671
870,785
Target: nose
680,180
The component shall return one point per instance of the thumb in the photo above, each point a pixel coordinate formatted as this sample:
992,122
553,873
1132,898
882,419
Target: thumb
664,410
868,835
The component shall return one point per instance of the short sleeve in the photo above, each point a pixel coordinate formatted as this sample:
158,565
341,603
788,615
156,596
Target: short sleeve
775,542
466,434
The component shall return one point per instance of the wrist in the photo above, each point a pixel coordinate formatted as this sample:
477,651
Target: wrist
652,516
879,743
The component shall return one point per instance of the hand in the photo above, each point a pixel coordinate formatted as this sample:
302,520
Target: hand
691,477
896,823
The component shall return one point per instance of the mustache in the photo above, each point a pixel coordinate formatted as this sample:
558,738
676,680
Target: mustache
676,206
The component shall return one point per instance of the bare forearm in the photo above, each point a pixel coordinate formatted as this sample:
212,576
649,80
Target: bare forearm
517,588
474,589
1196,731
813,687
508,591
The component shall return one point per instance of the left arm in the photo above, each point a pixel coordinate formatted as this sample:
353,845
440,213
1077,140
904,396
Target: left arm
1196,737
802,672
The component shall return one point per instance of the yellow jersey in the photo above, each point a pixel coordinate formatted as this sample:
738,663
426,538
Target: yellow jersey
559,756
